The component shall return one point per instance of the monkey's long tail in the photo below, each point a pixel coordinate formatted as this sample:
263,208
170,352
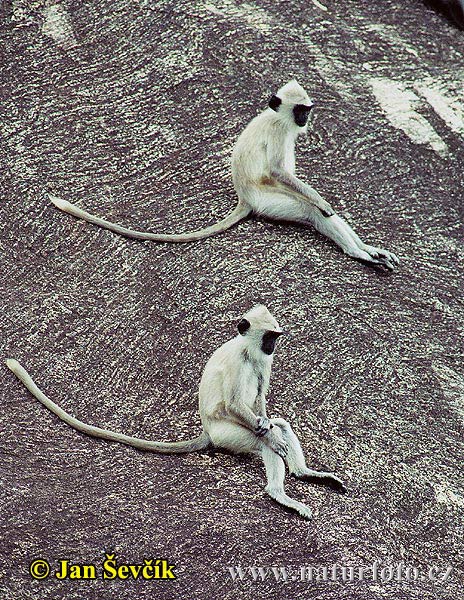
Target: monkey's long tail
199,443
239,213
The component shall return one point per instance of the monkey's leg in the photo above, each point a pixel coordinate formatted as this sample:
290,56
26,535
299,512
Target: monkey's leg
275,472
238,439
372,250
285,207
233,437
342,234
296,461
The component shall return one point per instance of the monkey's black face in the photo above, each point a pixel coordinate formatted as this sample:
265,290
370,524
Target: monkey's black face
301,114
269,341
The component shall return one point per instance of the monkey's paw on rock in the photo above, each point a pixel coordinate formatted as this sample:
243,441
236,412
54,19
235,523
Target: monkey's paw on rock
306,513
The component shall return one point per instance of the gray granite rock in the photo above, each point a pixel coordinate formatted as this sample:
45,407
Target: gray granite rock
131,109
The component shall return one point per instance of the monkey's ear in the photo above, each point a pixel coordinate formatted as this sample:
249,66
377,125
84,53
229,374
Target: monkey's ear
275,102
243,326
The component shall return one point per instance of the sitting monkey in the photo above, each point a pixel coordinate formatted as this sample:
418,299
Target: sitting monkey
232,406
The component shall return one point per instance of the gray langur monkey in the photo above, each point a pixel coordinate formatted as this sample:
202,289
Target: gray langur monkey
263,173
232,406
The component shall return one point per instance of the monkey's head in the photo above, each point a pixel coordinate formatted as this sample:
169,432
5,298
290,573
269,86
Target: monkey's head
293,105
260,329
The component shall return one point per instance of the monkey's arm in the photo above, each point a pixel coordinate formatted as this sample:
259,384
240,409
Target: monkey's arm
261,405
238,409
260,425
240,413
288,180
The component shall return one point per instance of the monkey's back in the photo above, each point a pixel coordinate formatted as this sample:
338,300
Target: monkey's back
218,371
249,157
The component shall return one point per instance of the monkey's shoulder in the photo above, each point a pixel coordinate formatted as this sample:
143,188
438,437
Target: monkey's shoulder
257,132
225,357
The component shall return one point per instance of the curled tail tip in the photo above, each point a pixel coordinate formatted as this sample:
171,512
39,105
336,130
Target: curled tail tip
59,202
12,364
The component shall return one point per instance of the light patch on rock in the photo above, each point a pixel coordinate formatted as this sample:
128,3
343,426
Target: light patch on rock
449,109
319,5
452,385
251,14
400,104
331,69
444,495
57,25
392,36
449,243
378,589
439,306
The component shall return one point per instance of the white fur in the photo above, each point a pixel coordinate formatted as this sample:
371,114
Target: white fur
232,411
263,172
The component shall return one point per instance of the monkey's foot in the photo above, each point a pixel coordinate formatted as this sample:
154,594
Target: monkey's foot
281,497
322,478
305,512
375,259
381,253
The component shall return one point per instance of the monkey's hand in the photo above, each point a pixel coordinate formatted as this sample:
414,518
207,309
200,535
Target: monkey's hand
276,442
263,425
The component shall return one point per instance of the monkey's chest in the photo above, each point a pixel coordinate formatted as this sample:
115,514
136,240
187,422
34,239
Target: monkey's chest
289,161
288,158
253,386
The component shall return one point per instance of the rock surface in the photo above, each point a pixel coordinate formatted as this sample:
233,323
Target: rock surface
131,109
